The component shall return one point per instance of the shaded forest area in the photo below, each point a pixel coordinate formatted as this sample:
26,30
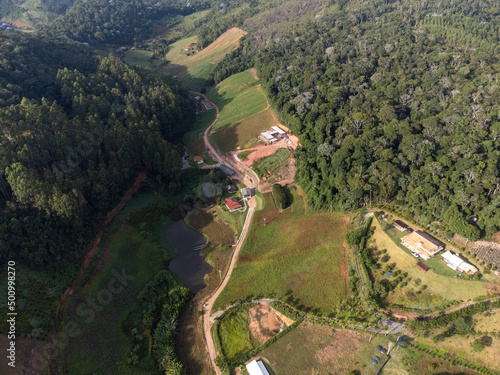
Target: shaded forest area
75,131
400,101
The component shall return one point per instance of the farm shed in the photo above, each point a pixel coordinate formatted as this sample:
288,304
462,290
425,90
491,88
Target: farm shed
232,204
231,189
257,368
227,171
422,243
423,266
268,137
401,225
278,130
453,261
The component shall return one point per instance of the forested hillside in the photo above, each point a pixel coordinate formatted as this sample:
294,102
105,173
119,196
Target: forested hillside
115,22
397,100
37,12
72,141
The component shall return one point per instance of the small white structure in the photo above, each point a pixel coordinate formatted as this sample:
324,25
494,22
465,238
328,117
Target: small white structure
257,368
268,137
456,263
278,130
246,193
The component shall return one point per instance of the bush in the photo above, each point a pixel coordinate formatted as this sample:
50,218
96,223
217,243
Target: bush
466,277
477,346
279,196
494,268
385,258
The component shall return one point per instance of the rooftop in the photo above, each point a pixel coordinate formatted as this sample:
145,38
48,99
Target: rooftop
233,204
423,243
257,368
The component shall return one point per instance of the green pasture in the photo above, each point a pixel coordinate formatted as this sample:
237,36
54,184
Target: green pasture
295,255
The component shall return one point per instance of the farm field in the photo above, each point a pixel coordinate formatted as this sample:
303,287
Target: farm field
446,287
295,255
195,68
460,345
244,110
137,57
327,351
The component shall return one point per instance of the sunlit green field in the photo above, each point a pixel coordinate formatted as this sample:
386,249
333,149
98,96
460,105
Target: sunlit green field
295,255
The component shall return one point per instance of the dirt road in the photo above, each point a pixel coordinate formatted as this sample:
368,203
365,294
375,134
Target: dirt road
250,180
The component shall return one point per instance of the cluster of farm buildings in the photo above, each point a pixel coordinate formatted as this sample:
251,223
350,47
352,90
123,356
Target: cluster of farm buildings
6,26
272,135
425,246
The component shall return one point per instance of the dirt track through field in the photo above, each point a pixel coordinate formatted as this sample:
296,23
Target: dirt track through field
251,181
140,178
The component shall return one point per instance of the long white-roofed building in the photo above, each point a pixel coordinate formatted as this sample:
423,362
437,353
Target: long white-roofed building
257,368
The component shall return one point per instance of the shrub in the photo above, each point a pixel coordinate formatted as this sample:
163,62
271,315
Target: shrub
279,196
494,268
466,277
477,346
385,258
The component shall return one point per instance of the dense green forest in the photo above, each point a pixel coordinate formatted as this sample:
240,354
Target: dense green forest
75,131
400,101
115,22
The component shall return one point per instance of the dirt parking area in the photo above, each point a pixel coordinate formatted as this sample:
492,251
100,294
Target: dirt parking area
265,322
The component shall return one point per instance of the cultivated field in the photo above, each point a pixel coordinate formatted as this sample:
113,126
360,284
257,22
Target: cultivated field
446,287
244,110
195,68
295,255
234,335
328,351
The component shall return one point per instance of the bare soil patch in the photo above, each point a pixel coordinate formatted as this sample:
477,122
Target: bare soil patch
265,322
401,314
342,342
284,175
259,153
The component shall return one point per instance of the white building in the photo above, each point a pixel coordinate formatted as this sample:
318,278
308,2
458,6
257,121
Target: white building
456,263
278,130
268,137
257,368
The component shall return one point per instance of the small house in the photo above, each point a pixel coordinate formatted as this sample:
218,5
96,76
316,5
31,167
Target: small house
198,160
422,243
246,193
257,368
208,104
188,48
401,225
233,204
231,189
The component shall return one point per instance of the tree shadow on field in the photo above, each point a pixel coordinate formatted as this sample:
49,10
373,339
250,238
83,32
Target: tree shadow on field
227,138
288,195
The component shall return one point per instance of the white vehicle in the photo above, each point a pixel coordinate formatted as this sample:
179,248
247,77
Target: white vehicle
416,255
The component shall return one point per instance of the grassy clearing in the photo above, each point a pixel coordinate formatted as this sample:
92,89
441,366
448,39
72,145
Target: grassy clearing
234,333
327,351
180,29
446,287
244,111
194,69
460,345
488,322
293,255
137,57
242,132
216,232
234,219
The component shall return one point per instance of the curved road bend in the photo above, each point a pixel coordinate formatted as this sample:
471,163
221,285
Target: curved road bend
252,183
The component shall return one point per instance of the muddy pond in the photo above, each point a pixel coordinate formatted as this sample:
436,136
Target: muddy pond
189,265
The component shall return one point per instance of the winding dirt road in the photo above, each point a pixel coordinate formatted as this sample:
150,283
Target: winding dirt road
250,180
